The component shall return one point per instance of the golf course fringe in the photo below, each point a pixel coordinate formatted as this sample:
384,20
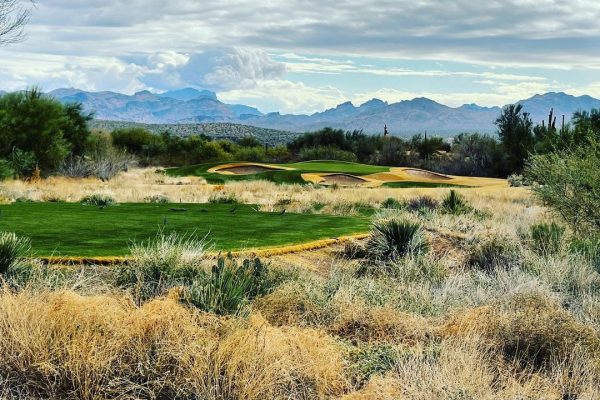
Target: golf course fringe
264,252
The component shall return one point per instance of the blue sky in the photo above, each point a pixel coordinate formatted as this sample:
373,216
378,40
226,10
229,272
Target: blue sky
305,56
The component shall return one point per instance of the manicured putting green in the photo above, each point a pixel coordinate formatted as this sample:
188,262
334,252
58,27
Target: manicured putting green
278,176
72,229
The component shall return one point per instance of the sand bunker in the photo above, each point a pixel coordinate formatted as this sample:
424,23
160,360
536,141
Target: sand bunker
425,174
343,179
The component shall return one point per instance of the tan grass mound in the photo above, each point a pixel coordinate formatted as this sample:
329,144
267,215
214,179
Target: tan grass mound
425,174
340,179
245,169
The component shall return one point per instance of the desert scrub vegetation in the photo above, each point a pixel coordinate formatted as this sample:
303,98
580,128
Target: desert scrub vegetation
100,200
493,310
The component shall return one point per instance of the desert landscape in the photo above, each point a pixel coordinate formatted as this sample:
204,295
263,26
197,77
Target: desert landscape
242,200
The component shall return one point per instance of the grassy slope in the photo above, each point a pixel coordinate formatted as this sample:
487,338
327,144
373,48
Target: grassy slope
71,229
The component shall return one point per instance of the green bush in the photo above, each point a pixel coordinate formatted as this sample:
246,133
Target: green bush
392,203
588,247
569,183
454,203
547,238
161,263
6,170
495,253
326,153
391,239
12,249
230,286
100,200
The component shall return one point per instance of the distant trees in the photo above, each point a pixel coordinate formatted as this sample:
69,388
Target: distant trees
13,17
36,130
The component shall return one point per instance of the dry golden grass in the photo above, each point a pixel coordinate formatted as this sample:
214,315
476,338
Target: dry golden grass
64,345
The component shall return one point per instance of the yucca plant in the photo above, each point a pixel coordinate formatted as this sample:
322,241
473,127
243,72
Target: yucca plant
392,239
12,248
454,203
547,238
226,291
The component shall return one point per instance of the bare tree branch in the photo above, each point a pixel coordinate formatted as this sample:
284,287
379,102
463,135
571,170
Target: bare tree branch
13,17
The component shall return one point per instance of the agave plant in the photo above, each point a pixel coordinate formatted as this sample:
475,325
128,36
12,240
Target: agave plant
392,239
12,248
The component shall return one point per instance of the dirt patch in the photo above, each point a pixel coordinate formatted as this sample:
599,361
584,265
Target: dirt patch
425,174
246,169
343,179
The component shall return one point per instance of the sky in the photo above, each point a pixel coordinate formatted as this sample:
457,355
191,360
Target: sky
303,56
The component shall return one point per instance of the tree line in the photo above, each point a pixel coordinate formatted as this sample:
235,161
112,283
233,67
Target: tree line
40,135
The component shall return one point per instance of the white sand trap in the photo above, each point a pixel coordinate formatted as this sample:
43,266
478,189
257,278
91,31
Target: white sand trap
425,174
246,169
343,179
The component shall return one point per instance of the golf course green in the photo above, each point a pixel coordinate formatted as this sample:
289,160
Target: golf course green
278,176
73,229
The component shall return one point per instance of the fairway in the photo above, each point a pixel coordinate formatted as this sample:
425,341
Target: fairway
72,229
328,172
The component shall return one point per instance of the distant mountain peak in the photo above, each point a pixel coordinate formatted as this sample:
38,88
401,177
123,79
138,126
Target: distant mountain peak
187,94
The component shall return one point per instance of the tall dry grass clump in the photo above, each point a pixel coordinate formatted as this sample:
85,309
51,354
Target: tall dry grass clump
63,345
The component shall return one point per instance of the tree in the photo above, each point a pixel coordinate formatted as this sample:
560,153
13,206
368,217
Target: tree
41,126
13,17
569,183
515,130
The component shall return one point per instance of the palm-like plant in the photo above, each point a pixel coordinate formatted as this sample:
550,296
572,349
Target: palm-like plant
392,239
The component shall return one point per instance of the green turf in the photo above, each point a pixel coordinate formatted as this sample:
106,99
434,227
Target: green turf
404,184
72,229
280,176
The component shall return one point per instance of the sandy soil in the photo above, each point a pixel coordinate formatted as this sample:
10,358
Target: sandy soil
425,174
343,179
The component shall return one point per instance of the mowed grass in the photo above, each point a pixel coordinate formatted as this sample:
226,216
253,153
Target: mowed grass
72,229
284,176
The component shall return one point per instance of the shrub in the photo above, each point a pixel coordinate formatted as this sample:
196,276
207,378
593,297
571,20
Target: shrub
12,249
223,198
454,203
392,203
230,286
569,183
516,180
547,238
158,199
326,153
370,360
494,253
101,200
162,262
588,247
392,239
6,170
423,203
530,329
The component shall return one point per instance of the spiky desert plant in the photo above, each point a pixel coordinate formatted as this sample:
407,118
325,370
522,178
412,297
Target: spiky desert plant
12,248
227,289
454,203
392,239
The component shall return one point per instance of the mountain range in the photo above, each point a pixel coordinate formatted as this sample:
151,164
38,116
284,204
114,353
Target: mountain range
192,106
